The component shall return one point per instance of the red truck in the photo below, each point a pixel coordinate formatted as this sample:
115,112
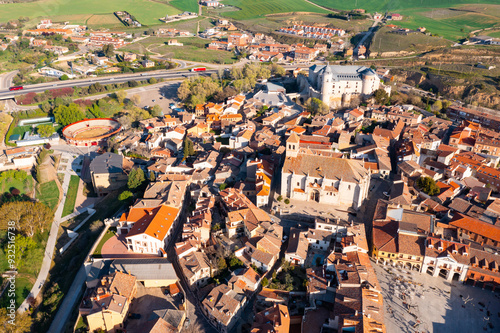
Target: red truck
16,88
198,69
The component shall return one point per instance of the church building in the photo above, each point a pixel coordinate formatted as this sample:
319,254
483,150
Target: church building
315,175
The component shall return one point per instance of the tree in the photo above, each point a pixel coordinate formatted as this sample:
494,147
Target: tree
428,185
45,130
287,201
222,186
125,195
152,80
188,147
381,96
234,262
280,198
108,50
264,282
437,106
64,77
29,217
135,178
21,324
446,104
120,95
316,106
66,115
152,177
136,99
221,264
156,111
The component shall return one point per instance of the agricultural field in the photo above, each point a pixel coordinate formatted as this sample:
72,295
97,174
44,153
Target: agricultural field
185,5
106,21
452,19
78,12
495,34
385,41
271,23
193,50
260,8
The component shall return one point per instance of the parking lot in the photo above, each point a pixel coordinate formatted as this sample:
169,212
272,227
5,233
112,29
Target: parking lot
162,94
417,302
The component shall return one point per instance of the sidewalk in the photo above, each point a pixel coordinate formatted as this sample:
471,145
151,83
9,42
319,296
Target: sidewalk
51,241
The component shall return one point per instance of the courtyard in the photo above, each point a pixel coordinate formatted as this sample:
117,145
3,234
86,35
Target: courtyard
418,302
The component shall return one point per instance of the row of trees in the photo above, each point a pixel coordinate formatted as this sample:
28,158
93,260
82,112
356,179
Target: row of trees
29,217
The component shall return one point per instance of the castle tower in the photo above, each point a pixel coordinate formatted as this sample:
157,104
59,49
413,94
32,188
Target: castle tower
327,85
370,82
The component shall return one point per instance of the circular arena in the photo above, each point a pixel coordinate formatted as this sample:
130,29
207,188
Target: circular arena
90,132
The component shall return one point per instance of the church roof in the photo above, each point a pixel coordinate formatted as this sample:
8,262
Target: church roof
328,167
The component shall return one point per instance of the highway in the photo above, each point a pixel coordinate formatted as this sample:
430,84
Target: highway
41,87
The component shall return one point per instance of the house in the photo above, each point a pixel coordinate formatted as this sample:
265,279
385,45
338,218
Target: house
129,57
206,161
298,246
223,307
238,39
275,319
476,230
106,306
196,268
244,280
109,172
174,42
152,272
148,63
148,229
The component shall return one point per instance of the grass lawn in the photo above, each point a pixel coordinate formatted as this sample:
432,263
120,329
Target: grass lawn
78,12
260,8
48,193
389,5
25,187
106,21
495,34
28,270
194,49
386,41
69,203
105,238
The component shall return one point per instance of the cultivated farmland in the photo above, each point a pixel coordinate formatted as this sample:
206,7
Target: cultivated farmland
77,12
259,8
193,50
452,19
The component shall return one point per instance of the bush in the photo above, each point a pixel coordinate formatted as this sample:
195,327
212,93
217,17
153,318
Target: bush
280,198
287,201
428,185
125,195
264,282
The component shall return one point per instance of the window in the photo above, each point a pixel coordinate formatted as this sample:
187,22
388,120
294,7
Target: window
317,242
298,183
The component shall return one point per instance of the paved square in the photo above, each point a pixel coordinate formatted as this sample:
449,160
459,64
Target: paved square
418,302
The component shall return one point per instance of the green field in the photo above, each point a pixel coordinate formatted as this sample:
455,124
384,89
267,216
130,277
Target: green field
185,5
48,193
452,19
259,8
390,5
193,50
78,12
69,203
495,34
385,41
